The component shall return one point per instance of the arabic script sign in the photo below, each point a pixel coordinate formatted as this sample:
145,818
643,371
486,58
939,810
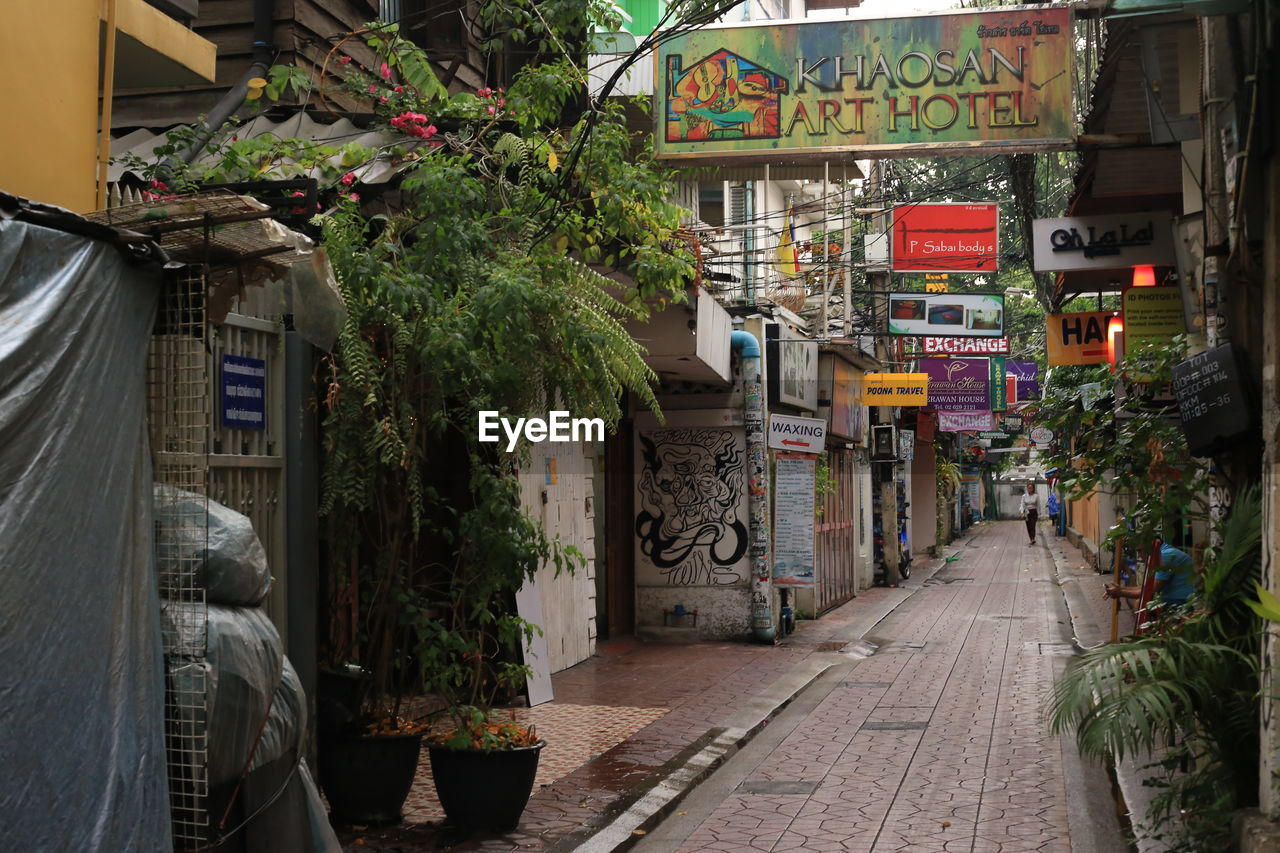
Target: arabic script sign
1106,242
946,81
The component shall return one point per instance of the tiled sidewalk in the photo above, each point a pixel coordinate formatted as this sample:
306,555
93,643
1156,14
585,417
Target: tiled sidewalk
681,692
938,742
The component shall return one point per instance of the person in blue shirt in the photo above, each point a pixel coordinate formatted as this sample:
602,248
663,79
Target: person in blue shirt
1175,579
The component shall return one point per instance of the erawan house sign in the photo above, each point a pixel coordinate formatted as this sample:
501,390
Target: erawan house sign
1114,241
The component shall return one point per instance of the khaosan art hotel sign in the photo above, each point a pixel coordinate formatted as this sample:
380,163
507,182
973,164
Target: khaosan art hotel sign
963,80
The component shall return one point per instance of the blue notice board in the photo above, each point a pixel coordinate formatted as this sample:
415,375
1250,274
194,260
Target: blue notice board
244,392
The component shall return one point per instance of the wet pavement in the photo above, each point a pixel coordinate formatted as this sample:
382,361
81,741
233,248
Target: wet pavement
907,719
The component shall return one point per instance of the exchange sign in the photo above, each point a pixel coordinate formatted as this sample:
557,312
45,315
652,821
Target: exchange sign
964,81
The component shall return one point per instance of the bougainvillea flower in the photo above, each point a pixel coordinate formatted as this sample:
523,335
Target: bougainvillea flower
348,179
344,60
373,88
385,71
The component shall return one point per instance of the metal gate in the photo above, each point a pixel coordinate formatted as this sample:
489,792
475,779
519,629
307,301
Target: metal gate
837,533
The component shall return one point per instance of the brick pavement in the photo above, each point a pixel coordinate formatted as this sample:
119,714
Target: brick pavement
697,687
938,741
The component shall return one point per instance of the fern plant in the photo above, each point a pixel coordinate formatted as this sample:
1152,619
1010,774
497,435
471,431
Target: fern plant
1187,689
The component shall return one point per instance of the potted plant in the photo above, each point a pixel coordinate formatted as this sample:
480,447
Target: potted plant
478,292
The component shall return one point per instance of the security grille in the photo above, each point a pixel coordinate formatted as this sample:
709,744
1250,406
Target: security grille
178,414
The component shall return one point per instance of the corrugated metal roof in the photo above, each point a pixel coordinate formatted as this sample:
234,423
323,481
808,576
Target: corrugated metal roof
143,142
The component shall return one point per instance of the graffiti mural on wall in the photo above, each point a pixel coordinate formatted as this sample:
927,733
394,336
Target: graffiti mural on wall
691,492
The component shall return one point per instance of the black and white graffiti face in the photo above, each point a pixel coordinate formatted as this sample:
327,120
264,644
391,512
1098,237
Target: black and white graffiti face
691,489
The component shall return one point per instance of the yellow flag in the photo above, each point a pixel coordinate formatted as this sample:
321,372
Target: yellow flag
787,249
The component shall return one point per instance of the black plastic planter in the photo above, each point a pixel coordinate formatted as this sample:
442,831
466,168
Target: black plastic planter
484,791
367,779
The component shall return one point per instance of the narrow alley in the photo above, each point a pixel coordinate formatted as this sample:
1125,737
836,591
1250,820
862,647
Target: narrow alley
910,718
936,741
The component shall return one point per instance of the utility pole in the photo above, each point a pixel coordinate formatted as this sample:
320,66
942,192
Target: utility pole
878,282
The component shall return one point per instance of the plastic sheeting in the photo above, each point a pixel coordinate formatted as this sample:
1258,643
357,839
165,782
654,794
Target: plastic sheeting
245,665
229,561
82,697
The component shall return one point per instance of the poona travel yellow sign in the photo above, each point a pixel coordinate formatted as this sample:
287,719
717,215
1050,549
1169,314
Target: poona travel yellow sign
896,389
966,80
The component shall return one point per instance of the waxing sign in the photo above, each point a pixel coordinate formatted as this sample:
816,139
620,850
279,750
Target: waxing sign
806,435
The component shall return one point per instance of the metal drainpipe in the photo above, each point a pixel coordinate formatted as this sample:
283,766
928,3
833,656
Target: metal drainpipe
263,54
762,627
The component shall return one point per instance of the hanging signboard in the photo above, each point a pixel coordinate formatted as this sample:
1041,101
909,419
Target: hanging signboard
1215,408
936,283
244,385
1026,371
953,315
1108,242
965,81
1012,424
906,444
840,397
793,367
896,389
1077,338
793,497
958,384
965,421
1153,313
1041,435
997,384
965,346
808,435
959,237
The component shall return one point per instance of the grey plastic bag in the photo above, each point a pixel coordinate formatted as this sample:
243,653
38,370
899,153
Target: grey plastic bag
229,563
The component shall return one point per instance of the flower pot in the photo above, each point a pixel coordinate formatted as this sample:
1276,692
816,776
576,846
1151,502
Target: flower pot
368,778
485,791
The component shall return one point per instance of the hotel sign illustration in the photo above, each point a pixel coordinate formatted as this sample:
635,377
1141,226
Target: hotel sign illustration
969,81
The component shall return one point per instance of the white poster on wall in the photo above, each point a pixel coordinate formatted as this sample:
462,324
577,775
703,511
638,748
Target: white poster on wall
793,497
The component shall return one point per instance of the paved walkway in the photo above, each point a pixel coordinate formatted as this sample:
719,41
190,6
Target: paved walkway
936,741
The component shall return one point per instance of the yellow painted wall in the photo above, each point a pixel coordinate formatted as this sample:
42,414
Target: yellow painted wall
49,57
49,65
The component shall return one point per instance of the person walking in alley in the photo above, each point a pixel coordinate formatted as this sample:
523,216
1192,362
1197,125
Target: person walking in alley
1030,509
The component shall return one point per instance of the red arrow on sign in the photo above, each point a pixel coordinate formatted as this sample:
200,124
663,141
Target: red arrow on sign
796,443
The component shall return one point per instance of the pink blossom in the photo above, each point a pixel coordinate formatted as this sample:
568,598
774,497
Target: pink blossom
485,92
348,179
297,194
385,71
383,99
502,102
399,89
344,60
354,196
429,130
159,185
373,88
493,110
